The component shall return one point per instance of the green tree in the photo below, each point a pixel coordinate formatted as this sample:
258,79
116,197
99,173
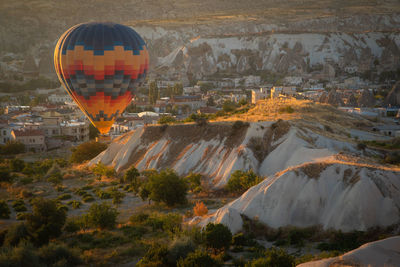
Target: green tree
273,257
93,132
241,181
132,176
199,258
153,92
87,151
12,148
217,236
167,187
4,210
178,89
102,215
17,165
194,182
46,220
228,106
166,120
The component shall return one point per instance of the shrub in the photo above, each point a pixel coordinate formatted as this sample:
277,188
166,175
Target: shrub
200,209
217,236
180,248
286,109
16,165
58,254
19,205
5,175
194,182
64,197
199,258
167,187
102,170
15,234
87,151
228,106
156,255
22,255
72,226
132,176
12,148
102,215
55,178
75,204
46,220
166,120
88,198
273,257
237,125
241,181
361,146
4,210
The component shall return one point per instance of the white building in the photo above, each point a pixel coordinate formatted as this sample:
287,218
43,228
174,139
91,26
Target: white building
78,130
293,80
191,90
59,98
262,93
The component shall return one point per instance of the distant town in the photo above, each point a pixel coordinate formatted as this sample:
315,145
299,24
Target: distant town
49,119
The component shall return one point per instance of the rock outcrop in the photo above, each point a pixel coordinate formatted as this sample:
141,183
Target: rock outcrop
332,194
380,253
393,97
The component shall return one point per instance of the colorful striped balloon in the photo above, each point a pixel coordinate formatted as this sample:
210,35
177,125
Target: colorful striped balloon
100,66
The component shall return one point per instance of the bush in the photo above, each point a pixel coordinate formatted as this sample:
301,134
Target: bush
132,176
166,120
12,148
22,255
46,220
64,197
88,198
15,234
199,258
200,209
102,215
156,256
240,181
59,255
273,257
194,182
5,175
217,236
75,204
228,106
19,205
102,170
286,109
167,187
16,165
237,125
87,151
4,210
179,249
361,146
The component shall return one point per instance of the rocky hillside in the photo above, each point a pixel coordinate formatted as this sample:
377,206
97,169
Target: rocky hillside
332,194
192,39
218,149
384,252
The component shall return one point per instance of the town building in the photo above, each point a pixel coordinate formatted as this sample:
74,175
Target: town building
76,130
34,140
59,98
262,93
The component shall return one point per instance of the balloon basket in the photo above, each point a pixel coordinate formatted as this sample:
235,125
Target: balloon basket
103,138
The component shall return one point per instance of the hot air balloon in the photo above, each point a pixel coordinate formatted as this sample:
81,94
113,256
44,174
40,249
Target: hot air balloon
100,66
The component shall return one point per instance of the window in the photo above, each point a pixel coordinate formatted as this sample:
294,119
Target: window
4,132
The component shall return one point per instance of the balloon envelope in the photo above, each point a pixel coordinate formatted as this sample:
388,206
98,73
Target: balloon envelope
100,66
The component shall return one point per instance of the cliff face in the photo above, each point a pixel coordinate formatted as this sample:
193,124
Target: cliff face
218,149
331,194
189,38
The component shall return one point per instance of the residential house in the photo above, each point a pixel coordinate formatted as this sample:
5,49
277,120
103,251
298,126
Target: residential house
262,93
34,140
77,130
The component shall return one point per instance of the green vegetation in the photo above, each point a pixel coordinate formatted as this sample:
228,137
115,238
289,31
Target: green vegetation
217,236
240,181
12,148
102,170
166,120
102,215
286,109
4,210
19,205
273,257
194,182
46,220
87,151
